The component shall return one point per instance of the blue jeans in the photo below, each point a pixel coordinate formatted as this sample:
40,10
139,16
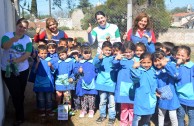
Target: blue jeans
145,120
44,100
181,115
111,106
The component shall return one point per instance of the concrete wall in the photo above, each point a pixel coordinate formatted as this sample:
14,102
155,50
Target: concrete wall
177,36
7,12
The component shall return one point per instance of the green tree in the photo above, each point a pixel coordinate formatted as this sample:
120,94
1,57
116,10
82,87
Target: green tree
34,8
85,5
178,10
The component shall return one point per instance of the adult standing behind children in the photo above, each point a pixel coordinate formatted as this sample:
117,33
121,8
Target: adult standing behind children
103,31
51,32
17,47
142,32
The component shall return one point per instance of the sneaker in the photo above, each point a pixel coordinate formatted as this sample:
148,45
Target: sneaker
100,120
82,114
91,114
111,122
42,115
50,113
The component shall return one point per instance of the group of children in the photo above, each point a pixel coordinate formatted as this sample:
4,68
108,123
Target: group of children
136,76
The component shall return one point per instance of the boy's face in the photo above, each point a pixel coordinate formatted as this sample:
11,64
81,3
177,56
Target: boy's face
139,51
62,56
182,54
63,43
70,44
129,53
42,54
165,51
51,50
86,55
146,63
107,51
116,51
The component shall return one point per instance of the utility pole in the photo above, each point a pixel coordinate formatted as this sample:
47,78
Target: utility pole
50,8
129,14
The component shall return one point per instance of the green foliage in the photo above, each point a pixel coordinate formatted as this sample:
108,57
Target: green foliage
64,28
80,39
34,8
178,10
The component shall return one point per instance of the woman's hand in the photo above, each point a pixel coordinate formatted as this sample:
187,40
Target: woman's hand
125,36
38,29
89,28
149,38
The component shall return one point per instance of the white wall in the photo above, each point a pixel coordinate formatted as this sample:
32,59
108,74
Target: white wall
7,14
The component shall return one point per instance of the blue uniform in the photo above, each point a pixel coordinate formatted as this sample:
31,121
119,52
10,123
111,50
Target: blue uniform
168,76
106,78
149,45
124,92
64,71
185,85
44,81
86,82
145,93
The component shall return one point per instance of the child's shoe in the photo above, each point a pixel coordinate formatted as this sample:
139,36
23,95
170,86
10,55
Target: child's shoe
91,114
100,120
82,113
50,113
42,113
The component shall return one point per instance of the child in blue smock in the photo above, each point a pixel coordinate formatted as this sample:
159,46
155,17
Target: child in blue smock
166,74
185,85
143,75
44,82
124,92
105,82
64,77
85,87
140,48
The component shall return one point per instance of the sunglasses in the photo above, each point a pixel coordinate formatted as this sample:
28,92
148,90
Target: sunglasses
87,52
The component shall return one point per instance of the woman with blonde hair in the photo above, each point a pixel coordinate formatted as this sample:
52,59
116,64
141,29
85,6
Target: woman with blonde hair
51,33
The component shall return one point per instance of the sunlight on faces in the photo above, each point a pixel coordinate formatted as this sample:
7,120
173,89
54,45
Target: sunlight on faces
21,28
42,54
128,54
63,43
146,63
143,23
101,20
86,55
62,56
52,26
139,51
107,51
157,63
116,51
183,55
51,50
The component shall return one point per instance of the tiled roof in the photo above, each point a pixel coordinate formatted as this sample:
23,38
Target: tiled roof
183,14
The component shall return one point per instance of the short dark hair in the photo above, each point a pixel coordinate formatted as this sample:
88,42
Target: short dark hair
146,55
117,45
42,47
107,44
69,39
128,45
168,46
61,49
99,13
22,20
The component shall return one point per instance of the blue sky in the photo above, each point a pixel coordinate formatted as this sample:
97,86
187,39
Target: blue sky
43,5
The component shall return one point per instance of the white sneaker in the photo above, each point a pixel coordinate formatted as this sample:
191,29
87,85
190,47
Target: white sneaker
91,114
82,114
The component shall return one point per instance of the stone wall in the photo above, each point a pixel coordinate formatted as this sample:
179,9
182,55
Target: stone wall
177,36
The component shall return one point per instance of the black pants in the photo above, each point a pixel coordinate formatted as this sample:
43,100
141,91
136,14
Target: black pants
16,86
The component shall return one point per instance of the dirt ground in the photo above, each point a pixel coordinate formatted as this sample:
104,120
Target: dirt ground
32,118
